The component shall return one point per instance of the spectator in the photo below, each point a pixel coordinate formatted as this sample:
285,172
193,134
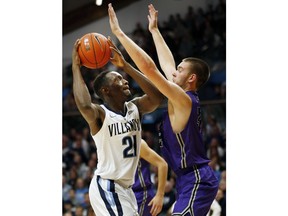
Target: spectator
80,191
215,149
215,166
79,145
65,189
79,165
79,211
87,208
67,208
212,124
67,154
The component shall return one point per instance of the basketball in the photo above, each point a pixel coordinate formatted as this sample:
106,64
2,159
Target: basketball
94,50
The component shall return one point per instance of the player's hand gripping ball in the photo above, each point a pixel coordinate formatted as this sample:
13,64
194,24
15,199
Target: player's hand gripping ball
94,50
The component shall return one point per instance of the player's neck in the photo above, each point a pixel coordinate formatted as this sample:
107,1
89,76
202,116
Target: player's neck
117,108
190,88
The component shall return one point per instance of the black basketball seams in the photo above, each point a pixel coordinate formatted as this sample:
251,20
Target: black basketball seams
94,52
103,48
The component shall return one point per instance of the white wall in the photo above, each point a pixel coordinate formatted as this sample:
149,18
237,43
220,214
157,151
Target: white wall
128,17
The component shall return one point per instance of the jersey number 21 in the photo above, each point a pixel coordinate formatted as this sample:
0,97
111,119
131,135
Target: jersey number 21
131,149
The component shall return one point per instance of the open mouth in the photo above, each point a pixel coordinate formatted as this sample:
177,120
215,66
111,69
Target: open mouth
126,88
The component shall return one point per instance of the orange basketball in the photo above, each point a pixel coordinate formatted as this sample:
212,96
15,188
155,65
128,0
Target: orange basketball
94,50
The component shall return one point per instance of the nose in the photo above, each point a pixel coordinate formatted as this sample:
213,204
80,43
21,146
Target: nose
125,82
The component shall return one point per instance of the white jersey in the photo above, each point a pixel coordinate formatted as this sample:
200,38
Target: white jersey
118,145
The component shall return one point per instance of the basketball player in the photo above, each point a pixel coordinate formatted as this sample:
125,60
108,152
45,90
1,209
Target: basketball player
115,127
182,144
148,202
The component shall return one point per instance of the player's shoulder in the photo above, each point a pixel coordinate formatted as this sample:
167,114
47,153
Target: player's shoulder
193,95
97,106
98,109
132,104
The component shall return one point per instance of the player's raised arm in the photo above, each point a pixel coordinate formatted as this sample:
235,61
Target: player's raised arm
172,91
153,97
81,94
165,56
142,60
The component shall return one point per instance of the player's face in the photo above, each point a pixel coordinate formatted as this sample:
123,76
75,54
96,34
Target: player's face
181,75
118,85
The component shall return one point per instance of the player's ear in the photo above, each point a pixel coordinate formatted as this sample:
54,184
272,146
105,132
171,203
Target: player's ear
192,77
104,90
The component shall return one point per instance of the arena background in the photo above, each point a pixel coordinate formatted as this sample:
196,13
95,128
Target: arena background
31,107
191,28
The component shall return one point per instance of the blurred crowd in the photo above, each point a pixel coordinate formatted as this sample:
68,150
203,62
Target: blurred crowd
199,33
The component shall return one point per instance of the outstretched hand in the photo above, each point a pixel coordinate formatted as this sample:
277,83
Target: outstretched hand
114,25
75,55
152,17
117,59
157,204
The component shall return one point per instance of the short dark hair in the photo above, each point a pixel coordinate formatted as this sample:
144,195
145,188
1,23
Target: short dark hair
200,68
100,81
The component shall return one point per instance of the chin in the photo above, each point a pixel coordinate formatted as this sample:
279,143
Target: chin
127,92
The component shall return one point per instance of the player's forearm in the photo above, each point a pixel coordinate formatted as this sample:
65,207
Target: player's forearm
142,60
80,90
165,56
145,65
145,84
162,177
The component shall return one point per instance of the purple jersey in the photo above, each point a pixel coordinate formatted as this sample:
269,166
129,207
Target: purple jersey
185,153
142,188
185,149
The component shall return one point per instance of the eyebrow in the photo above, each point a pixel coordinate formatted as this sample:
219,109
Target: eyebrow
119,76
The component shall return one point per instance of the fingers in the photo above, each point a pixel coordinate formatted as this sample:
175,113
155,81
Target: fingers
154,210
152,10
75,49
114,25
153,14
111,11
116,54
115,50
156,15
111,43
77,43
113,46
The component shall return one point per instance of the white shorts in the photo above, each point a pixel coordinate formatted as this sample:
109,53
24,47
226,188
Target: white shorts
110,198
